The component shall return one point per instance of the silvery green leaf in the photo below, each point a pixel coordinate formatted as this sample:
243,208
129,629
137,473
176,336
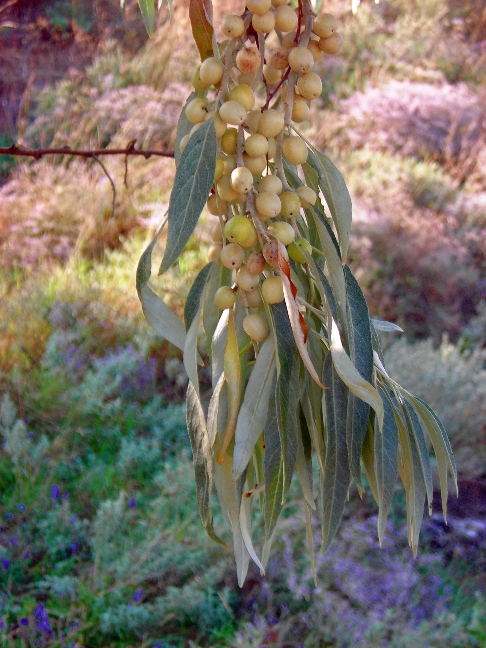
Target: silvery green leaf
335,482
147,8
254,409
304,460
193,301
193,181
361,354
274,472
415,430
211,315
386,463
336,194
191,317
382,325
377,344
216,422
159,316
245,525
184,127
218,345
368,457
202,459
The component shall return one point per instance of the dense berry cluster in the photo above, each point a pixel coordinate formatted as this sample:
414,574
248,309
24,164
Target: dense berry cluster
256,88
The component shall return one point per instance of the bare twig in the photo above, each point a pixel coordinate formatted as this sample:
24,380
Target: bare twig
22,151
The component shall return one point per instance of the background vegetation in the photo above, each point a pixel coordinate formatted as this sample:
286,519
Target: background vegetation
100,542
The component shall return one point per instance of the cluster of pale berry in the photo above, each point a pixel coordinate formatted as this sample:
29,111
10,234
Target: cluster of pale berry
259,84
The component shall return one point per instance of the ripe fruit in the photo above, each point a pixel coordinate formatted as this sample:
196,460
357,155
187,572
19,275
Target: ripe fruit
225,190
233,26
255,263
228,141
301,59
259,7
290,204
241,230
315,50
271,123
280,58
272,290
256,327
255,164
224,298
271,183
295,149
250,299
272,250
309,85
232,256
219,169
272,148
331,45
295,250
196,110
211,71
263,23
242,180
243,94
271,74
285,18
197,84
214,251
246,280
217,233
215,205
248,59
307,196
283,231
256,145
268,205
252,120
232,112
300,109
325,25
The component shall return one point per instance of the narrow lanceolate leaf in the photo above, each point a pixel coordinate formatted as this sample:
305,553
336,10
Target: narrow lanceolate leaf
336,194
382,325
159,316
193,301
202,460
440,443
274,472
245,525
254,409
287,391
201,16
297,322
184,126
351,377
214,410
361,354
304,460
415,430
386,463
377,344
368,457
218,345
147,8
232,375
335,482
193,180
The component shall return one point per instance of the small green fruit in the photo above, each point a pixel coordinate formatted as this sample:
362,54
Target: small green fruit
295,250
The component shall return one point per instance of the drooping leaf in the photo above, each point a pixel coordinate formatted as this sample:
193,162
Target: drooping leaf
415,430
304,460
159,316
245,525
336,194
335,482
193,180
382,325
361,354
202,459
386,463
218,345
254,409
211,315
274,472
193,301
287,391
351,377
147,8
368,457
377,344
184,127
201,17
214,411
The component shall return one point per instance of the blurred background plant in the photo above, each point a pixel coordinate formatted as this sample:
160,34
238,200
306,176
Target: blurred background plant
100,542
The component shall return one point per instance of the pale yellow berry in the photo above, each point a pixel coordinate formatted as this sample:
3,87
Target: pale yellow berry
268,204
315,50
248,59
252,120
307,196
295,149
229,163
255,263
263,23
242,180
246,79
219,125
259,7
243,94
290,204
256,145
309,85
283,231
228,141
271,183
196,81
219,169
331,45
300,109
325,25
217,233
245,280
241,230
271,123
251,299
215,205
232,256
183,142
255,164
194,129
278,3
295,250
225,190
224,298
286,18
272,148
280,58
256,327
232,26
232,112
300,59
272,290
214,251
271,74
196,110
211,71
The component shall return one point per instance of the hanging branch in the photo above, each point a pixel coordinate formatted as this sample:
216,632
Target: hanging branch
20,151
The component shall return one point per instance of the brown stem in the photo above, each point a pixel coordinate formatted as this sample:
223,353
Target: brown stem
20,151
